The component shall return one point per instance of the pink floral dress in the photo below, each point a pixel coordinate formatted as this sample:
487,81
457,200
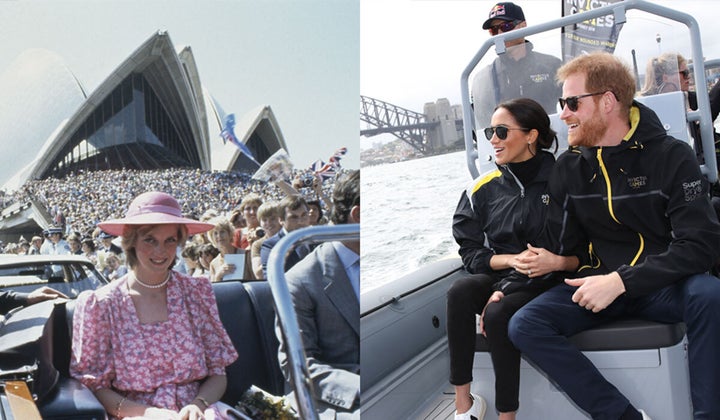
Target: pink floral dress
157,364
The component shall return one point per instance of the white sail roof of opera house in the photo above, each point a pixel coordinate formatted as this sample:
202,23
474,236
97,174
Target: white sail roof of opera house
151,112
38,92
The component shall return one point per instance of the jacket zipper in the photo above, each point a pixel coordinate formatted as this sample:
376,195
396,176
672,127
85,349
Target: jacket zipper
605,174
517,181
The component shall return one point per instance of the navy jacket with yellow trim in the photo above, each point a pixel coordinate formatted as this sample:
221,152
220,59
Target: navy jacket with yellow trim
642,205
497,206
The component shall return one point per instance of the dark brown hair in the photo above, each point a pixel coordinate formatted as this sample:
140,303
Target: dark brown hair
531,115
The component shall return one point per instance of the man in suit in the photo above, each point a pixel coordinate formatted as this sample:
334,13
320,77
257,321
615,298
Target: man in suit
325,289
294,215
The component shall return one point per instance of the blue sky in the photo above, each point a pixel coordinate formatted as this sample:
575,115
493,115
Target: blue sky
299,57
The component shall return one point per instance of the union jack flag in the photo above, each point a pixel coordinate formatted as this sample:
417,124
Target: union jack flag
325,170
330,169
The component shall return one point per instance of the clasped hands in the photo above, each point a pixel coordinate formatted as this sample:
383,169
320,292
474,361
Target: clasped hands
535,262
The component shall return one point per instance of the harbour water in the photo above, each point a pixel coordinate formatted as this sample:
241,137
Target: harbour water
407,210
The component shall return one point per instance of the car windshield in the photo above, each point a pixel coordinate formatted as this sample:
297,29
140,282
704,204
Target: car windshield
68,277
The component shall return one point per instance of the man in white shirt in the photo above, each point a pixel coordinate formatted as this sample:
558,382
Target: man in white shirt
55,244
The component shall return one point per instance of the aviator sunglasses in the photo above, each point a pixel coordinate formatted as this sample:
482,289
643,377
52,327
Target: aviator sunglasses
505,27
501,131
573,102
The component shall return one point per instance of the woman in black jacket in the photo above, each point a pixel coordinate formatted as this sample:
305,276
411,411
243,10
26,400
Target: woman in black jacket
497,219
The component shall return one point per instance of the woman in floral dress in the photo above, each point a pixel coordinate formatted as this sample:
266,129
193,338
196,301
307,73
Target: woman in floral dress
151,344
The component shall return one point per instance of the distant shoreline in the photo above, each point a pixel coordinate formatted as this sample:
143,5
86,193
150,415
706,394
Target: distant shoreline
398,151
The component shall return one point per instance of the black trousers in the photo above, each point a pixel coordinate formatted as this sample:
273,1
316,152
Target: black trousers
466,298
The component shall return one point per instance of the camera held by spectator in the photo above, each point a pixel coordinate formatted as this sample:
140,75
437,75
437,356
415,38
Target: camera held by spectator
305,180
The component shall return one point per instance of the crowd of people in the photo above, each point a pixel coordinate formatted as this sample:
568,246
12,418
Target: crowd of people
78,202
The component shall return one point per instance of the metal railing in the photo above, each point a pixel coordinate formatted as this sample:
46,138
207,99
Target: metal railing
300,376
618,10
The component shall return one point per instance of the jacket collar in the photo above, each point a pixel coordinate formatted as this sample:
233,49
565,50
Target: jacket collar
546,161
645,127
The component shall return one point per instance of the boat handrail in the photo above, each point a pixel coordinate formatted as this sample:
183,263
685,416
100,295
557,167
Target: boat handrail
709,168
300,376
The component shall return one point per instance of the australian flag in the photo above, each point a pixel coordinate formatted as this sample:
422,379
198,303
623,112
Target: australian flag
228,135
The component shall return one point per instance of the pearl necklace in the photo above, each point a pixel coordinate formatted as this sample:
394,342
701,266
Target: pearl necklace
152,286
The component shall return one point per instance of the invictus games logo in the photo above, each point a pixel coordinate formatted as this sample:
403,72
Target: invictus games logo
637,182
545,198
539,78
692,190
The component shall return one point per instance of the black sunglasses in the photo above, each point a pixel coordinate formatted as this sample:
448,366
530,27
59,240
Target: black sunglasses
685,73
573,102
501,131
505,27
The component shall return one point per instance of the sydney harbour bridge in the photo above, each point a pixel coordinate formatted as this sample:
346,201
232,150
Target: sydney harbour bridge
429,132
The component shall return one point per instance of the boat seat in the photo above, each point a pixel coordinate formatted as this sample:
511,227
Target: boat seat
623,334
70,399
247,311
671,110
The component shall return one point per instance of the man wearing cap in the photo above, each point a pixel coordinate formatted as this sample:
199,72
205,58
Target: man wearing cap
107,245
55,245
519,72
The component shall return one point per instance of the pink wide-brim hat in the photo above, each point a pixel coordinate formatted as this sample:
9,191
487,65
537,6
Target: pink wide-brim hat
154,208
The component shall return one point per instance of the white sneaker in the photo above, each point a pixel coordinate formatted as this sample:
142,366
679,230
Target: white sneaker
476,412
645,416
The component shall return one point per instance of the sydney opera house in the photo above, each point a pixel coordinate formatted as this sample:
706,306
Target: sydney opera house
151,112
